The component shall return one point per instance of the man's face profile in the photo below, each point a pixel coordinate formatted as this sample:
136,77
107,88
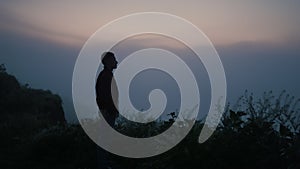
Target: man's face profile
114,63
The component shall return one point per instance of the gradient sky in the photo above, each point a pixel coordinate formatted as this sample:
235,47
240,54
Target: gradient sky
224,22
258,41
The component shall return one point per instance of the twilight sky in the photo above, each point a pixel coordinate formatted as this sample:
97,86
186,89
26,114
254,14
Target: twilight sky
258,41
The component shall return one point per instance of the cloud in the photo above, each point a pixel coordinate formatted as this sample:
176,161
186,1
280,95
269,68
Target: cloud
224,22
13,23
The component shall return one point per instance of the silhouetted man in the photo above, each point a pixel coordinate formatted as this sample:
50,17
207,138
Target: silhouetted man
106,96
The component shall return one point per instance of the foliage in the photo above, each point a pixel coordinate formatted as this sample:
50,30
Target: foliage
20,101
23,112
255,133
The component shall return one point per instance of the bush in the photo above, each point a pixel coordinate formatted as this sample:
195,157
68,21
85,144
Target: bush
258,133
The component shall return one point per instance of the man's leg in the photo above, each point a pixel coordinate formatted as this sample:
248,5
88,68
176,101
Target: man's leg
104,157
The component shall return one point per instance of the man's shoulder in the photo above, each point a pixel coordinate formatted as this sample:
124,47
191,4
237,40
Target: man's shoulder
105,73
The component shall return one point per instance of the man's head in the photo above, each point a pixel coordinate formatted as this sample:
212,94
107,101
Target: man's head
109,61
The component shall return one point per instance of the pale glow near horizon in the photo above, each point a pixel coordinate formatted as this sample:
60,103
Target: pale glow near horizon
224,22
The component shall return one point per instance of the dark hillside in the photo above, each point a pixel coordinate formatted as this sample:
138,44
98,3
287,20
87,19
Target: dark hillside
18,100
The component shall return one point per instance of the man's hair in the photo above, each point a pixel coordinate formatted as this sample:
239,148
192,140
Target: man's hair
106,57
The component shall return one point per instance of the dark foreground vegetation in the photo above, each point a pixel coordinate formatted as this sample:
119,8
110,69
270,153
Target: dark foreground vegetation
254,134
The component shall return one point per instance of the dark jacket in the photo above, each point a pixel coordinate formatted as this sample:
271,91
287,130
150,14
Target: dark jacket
104,92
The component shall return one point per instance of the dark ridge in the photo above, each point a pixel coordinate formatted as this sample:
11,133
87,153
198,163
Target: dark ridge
18,100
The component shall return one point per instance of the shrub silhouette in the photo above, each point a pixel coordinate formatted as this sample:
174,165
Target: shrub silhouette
23,112
258,133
